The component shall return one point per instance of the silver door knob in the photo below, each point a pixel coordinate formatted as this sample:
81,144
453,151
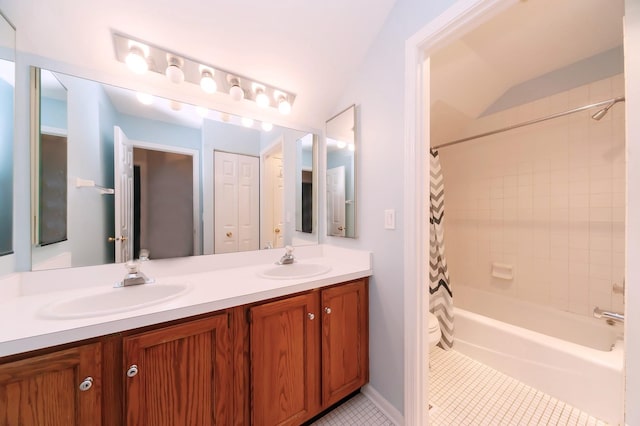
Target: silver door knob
327,310
132,371
86,384
311,316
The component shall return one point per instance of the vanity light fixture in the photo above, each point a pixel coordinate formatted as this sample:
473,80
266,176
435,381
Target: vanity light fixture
141,56
207,82
247,122
144,98
267,127
261,96
136,59
174,70
236,92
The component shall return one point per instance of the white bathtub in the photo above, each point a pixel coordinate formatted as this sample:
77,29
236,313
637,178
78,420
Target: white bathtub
585,377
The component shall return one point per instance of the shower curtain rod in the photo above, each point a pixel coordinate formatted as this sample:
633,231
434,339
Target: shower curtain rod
609,102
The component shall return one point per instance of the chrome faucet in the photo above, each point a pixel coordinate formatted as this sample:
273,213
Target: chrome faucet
287,258
134,276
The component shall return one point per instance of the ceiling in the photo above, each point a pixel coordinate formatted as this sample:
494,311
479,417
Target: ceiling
312,49
529,39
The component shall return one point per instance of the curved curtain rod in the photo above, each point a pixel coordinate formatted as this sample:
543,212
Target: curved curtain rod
609,102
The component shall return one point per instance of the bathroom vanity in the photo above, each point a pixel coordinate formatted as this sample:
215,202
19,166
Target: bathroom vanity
291,351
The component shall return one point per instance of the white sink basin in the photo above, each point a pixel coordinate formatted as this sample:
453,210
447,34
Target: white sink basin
294,271
113,301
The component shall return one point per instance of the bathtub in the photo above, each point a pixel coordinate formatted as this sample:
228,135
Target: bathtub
581,365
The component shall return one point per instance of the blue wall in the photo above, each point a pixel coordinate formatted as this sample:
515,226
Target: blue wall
53,113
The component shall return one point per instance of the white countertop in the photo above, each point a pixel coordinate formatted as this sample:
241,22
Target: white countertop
24,328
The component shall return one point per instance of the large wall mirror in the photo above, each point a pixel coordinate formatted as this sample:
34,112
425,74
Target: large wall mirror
120,174
7,89
341,174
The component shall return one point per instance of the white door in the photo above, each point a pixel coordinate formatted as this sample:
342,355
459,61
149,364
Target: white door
236,202
336,201
248,203
123,180
225,202
274,200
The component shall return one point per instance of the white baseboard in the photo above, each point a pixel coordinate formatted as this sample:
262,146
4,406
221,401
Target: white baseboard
383,405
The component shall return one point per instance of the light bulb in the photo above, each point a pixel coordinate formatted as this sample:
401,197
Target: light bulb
284,106
202,111
247,122
262,99
341,144
207,82
144,98
136,61
173,72
236,93
267,126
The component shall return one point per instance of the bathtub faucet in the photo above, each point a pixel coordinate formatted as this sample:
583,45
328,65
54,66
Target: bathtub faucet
609,316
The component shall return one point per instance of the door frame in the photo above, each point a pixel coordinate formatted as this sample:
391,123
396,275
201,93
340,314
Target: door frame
453,22
275,147
195,162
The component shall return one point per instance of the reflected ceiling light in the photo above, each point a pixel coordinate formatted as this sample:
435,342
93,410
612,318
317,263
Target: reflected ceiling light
144,98
136,60
267,127
352,147
207,82
202,111
341,144
174,70
175,105
247,122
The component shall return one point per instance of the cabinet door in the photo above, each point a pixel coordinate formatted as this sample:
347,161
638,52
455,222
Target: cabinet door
285,381
46,390
179,375
345,340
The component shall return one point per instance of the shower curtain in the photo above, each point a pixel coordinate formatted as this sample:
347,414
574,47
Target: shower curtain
441,300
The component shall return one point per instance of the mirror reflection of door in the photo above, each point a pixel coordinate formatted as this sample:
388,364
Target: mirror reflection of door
155,201
273,235
336,201
237,202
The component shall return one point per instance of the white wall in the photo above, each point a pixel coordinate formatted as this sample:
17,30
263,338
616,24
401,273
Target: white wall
548,199
632,325
377,90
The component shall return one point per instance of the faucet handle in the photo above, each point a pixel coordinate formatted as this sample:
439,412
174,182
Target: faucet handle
132,266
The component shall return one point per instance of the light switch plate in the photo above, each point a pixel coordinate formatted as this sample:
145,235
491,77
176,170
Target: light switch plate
390,219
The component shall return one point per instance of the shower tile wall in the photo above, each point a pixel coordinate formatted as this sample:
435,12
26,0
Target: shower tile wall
548,199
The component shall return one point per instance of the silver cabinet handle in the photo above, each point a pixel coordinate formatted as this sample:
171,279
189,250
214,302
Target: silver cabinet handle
311,316
86,384
327,310
132,371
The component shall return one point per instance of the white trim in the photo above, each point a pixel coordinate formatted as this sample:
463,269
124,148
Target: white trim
54,131
448,26
383,405
195,155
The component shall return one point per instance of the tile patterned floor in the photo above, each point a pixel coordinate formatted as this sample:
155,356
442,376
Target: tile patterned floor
466,392
358,411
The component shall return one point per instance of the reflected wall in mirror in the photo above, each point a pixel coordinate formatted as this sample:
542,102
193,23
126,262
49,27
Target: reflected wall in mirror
341,174
151,177
7,89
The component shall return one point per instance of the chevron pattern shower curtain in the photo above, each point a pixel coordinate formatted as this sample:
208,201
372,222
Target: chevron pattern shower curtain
441,300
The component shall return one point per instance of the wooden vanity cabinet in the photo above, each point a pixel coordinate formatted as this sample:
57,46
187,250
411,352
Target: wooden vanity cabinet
60,388
179,375
307,352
